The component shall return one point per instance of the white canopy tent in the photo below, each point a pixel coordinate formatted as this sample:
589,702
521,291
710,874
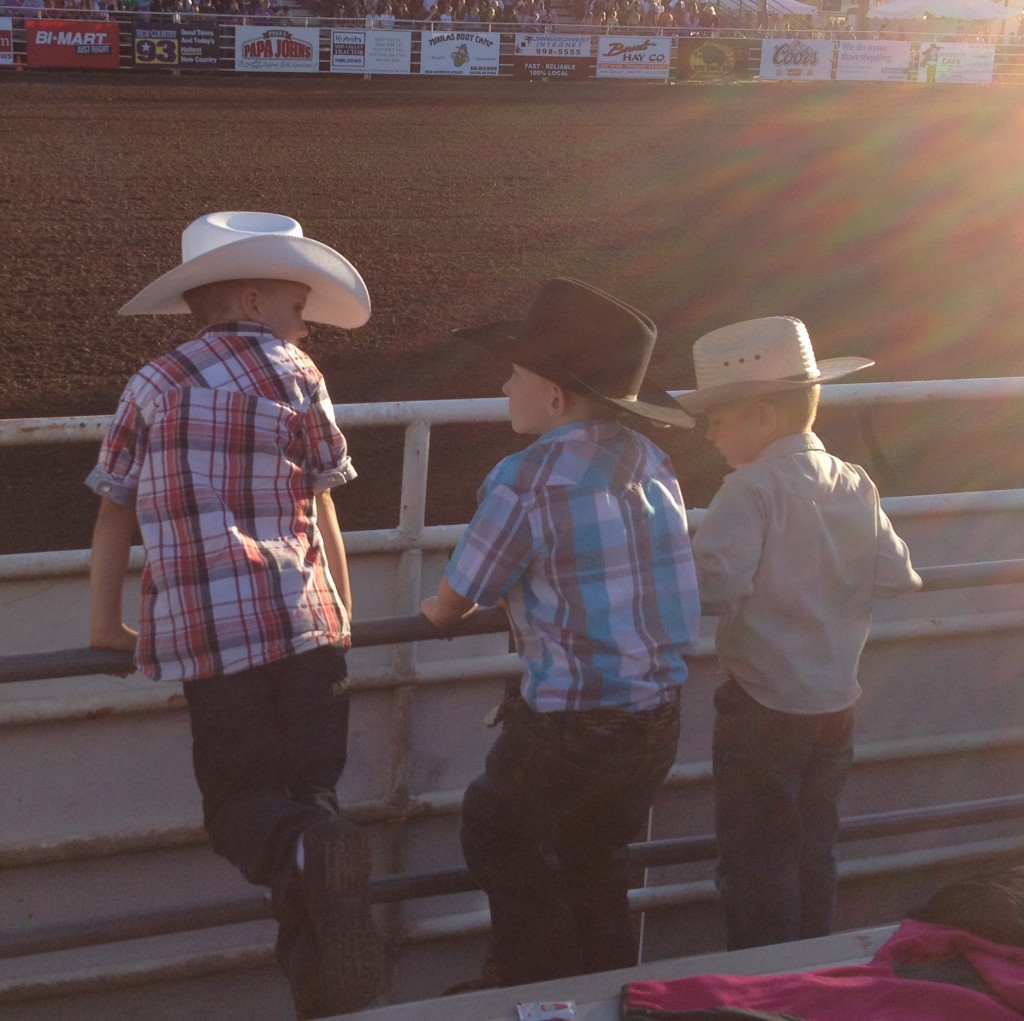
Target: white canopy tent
963,10
794,7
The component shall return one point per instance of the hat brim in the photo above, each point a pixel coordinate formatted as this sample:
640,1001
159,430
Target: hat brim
503,340
337,294
698,401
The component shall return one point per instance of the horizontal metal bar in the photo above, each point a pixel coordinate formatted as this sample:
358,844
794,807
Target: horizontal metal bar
78,662
444,882
91,428
688,850
16,432
84,662
440,538
918,390
993,572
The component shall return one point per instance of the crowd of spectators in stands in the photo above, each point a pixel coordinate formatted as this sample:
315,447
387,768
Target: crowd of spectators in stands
253,12
440,13
96,10
696,16
687,14
681,17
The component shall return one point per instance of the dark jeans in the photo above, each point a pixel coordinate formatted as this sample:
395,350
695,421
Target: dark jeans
575,788
268,747
778,777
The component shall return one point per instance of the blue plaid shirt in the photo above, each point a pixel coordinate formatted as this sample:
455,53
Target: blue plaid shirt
584,534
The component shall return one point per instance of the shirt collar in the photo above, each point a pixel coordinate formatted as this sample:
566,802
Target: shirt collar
596,428
795,443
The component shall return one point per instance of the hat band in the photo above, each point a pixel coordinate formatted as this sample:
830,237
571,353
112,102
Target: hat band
631,397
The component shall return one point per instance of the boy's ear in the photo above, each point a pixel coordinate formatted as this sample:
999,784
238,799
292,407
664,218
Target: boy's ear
767,415
249,299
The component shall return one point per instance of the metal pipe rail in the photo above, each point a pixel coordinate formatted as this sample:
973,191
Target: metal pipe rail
17,432
78,662
688,850
444,882
81,662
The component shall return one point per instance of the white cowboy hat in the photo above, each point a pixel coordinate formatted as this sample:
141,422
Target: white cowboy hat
258,246
757,357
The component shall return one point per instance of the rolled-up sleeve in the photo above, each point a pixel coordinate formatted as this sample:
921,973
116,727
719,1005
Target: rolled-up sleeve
494,550
116,474
329,462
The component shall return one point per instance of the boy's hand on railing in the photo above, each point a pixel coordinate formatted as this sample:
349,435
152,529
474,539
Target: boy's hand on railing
444,622
120,638
447,608
430,609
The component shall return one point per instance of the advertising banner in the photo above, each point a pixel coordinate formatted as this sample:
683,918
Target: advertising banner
374,52
559,57
968,63
72,44
268,48
797,59
631,56
459,52
6,41
188,46
713,59
873,60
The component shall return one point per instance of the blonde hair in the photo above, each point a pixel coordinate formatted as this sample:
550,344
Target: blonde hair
796,408
209,303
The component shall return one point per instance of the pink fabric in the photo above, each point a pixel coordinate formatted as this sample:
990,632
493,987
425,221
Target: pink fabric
867,992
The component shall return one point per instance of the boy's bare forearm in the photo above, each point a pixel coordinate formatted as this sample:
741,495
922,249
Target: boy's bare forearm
447,608
108,565
334,548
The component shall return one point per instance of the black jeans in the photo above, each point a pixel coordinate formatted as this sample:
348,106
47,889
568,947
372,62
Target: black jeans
573,787
268,746
778,777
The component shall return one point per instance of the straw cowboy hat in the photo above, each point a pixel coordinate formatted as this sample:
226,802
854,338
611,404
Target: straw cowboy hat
587,341
757,357
258,246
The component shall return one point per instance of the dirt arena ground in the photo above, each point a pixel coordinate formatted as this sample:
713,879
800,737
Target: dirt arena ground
888,217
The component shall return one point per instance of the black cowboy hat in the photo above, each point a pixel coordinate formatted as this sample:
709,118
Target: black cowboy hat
588,341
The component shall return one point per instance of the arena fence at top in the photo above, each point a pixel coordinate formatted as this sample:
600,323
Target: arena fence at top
820,47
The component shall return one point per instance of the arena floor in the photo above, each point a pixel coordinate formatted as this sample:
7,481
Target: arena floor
887,216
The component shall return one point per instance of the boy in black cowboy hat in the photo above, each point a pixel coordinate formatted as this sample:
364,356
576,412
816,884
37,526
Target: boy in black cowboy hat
223,453
583,536
790,554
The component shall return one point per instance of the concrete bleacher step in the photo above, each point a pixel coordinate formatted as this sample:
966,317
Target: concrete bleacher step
112,904
227,972
59,899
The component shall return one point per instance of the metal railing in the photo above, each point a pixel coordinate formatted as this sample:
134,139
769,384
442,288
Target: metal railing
404,630
77,662
390,889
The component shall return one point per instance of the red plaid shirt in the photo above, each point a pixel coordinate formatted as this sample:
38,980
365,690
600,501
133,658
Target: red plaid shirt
222,445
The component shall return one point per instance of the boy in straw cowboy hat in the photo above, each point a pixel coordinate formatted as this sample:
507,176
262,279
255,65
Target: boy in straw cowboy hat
583,537
223,454
790,554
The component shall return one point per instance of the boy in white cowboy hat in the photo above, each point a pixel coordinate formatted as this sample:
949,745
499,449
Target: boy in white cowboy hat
583,537
223,454
790,554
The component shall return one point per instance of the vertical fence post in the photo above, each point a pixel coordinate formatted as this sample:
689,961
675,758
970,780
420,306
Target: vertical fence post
409,582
